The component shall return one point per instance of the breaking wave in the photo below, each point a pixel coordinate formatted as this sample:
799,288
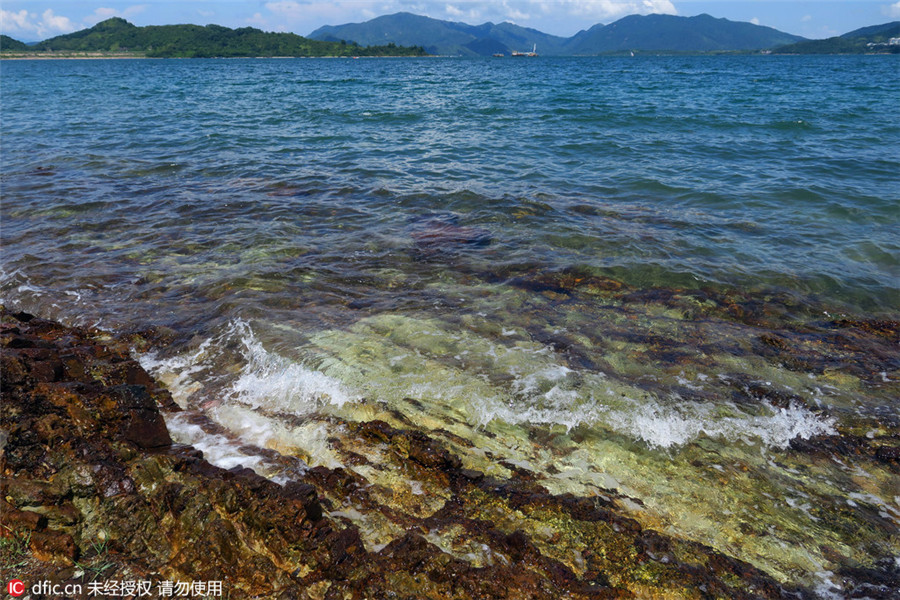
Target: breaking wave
264,379
235,372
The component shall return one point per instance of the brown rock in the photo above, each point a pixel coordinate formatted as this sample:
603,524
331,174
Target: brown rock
88,457
12,519
54,547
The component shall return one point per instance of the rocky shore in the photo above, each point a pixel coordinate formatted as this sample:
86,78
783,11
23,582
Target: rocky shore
94,490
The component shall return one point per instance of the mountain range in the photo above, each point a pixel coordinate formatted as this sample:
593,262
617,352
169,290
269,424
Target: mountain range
405,34
653,33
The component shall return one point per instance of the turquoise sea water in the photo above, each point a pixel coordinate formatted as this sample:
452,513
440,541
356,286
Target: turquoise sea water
660,251
754,172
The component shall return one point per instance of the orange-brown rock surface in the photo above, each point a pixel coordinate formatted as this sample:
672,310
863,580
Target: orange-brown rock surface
93,489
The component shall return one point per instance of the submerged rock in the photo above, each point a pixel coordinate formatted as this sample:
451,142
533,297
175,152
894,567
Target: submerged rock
93,489
438,234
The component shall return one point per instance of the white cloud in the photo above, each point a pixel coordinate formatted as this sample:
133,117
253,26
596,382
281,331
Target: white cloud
56,22
304,15
602,10
30,25
11,22
513,13
806,18
105,13
290,15
659,7
457,13
893,10
293,11
258,20
285,8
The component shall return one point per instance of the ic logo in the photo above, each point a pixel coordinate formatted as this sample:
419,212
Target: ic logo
15,587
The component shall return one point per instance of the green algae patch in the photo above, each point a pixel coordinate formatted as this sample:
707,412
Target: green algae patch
390,488
691,429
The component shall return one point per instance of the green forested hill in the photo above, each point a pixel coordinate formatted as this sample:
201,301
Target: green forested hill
443,37
195,41
8,43
854,42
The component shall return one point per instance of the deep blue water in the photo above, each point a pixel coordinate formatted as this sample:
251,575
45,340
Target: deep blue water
644,273
755,172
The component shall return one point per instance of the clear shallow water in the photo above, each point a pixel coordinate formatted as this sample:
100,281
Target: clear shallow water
615,272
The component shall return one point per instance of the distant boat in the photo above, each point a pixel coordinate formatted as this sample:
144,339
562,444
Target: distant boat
532,53
498,55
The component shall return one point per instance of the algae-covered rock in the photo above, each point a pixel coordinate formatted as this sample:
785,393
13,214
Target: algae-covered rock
93,489
88,460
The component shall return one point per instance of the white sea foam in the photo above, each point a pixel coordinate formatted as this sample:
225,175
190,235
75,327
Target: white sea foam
826,586
177,372
265,379
276,382
244,387
27,287
593,402
665,426
220,450
217,449
540,391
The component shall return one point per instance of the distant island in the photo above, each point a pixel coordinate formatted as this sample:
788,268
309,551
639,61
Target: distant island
405,34
878,39
118,37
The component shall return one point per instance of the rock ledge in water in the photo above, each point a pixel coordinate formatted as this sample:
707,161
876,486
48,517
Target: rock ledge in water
93,489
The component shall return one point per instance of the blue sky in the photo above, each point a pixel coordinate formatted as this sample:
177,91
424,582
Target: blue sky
33,20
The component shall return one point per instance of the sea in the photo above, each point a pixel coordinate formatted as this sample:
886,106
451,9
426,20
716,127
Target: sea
675,277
